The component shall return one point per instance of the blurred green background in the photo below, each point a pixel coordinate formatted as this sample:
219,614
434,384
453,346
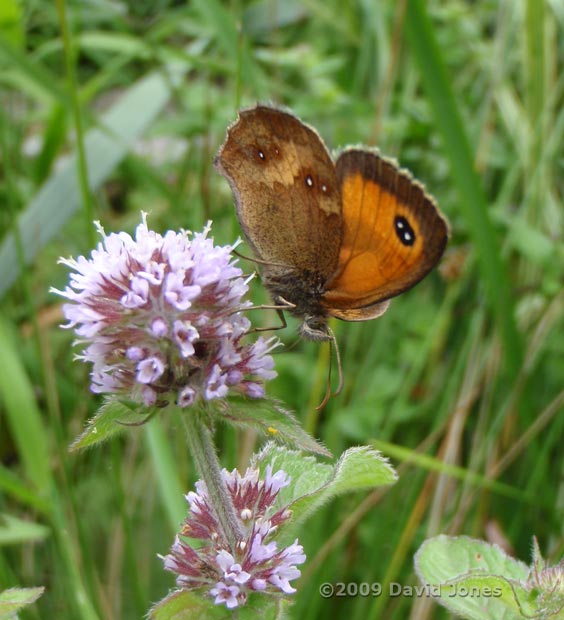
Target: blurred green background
108,108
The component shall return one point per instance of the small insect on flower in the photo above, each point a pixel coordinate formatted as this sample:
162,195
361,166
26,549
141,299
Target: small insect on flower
255,563
158,318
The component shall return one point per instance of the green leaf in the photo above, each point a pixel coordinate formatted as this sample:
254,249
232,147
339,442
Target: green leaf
488,597
315,483
306,473
113,418
265,607
444,557
474,579
14,599
185,605
269,417
18,531
361,468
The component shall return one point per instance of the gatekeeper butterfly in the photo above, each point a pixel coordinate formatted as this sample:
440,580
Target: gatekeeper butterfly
333,238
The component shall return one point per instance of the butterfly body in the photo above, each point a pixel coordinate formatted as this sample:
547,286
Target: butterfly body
301,292
334,239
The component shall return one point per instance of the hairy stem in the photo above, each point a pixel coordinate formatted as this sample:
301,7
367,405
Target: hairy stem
202,449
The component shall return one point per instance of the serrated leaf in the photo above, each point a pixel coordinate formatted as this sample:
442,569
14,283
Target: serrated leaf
362,468
185,605
306,473
269,417
265,607
113,418
313,484
14,599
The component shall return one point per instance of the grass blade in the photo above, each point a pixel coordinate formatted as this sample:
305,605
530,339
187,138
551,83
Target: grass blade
494,273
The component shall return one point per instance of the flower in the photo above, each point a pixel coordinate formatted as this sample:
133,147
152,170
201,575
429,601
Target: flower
546,585
254,563
158,316
547,579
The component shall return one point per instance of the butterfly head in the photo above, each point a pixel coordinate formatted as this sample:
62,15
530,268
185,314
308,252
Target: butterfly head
314,327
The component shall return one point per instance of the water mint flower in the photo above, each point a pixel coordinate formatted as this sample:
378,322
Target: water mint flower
157,316
547,584
548,579
254,563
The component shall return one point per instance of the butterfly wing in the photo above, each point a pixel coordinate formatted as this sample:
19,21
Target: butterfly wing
286,191
393,235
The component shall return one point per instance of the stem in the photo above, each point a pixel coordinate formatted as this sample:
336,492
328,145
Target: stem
70,61
203,452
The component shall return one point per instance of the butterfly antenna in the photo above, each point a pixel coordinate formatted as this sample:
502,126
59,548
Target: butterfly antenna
289,347
328,388
258,261
239,255
333,343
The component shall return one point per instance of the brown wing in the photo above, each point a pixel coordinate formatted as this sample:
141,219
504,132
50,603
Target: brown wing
286,191
393,235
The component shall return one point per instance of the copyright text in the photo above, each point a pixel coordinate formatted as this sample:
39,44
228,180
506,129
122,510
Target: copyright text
394,589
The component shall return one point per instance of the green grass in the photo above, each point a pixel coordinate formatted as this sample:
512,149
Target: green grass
461,382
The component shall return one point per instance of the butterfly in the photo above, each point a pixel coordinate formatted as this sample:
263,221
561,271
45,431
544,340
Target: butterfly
333,238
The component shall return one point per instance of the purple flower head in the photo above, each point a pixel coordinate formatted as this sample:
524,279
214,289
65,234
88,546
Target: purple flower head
255,563
547,579
158,318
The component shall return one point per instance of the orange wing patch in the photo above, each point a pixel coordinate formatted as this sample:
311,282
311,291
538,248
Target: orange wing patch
393,234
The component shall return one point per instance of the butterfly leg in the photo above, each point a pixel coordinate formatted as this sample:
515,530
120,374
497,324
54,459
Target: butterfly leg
280,314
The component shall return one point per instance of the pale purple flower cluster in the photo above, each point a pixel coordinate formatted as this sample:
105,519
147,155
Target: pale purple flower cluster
547,584
547,579
158,315
255,564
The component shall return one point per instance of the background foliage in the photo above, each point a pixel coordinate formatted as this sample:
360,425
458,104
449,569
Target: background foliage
109,107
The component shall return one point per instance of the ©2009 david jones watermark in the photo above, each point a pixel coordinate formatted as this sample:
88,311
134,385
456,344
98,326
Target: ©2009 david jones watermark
394,589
